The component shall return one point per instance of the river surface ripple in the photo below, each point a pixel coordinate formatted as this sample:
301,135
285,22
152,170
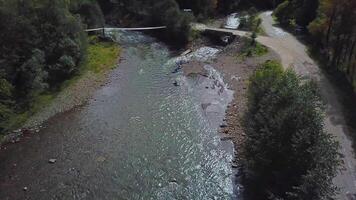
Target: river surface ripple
139,137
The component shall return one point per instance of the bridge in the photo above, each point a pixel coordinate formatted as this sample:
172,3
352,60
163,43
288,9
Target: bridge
203,27
126,29
274,43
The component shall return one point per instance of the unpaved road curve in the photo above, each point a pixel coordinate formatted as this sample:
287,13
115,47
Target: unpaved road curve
294,54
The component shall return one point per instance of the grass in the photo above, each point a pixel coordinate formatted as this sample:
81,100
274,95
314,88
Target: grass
101,57
194,35
16,120
252,50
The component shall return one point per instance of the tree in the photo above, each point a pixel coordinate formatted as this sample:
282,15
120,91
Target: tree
42,44
288,154
307,12
201,8
31,75
300,11
227,6
90,13
6,103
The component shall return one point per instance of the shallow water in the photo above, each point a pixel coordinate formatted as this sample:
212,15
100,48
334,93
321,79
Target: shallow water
140,137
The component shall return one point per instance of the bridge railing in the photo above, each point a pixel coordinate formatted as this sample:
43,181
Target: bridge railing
126,29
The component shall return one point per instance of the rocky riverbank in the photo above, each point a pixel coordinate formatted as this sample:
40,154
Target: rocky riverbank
236,70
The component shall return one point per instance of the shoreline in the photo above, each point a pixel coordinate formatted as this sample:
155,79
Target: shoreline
236,72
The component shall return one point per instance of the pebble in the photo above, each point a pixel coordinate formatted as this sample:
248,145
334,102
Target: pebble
52,161
25,189
226,138
224,125
173,180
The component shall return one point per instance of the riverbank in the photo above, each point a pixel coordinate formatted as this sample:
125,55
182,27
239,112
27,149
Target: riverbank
102,57
236,68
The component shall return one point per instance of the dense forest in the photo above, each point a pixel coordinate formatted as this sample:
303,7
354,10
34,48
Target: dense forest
42,44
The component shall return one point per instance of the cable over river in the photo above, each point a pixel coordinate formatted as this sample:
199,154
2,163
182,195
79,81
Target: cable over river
139,137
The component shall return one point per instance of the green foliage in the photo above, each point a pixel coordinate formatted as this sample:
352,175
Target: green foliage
6,104
203,8
299,11
150,13
90,12
178,24
31,75
261,4
101,56
42,44
284,12
288,154
333,36
228,6
252,48
250,21
331,24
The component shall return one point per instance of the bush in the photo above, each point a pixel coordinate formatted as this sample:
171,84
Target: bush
6,103
178,24
90,12
288,154
252,48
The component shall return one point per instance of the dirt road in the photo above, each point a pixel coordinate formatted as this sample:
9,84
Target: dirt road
294,54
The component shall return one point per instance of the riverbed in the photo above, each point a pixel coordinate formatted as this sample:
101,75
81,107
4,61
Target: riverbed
147,133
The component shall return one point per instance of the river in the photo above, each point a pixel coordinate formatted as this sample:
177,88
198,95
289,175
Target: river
139,137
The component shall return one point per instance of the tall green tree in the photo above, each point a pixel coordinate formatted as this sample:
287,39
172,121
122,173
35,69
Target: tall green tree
288,153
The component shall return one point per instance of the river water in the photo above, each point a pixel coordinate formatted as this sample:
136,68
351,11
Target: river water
139,137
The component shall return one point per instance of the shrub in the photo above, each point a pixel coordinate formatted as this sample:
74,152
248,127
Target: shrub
283,12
